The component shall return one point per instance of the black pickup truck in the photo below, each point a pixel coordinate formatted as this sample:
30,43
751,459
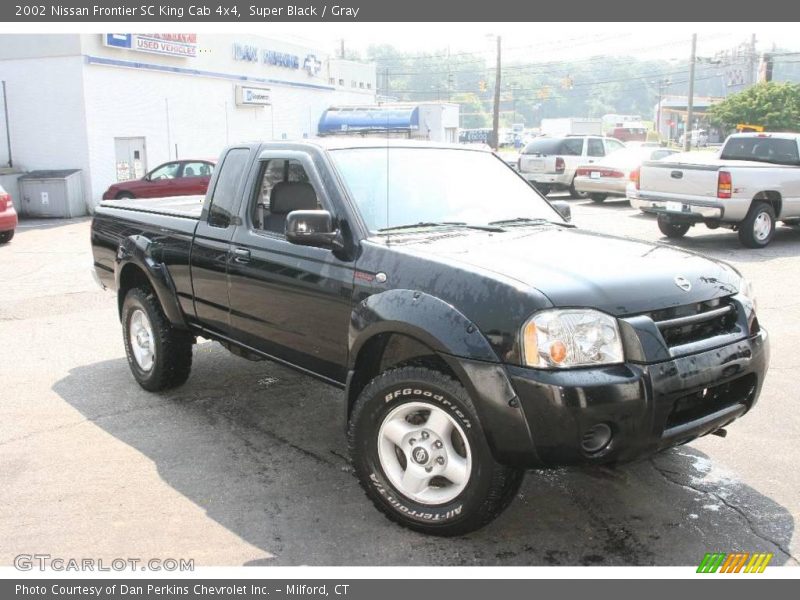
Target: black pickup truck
474,330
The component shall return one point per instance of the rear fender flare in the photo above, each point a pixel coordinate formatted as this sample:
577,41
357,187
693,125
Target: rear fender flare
142,252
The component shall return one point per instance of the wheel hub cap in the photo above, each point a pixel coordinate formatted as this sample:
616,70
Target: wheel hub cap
141,336
762,226
424,453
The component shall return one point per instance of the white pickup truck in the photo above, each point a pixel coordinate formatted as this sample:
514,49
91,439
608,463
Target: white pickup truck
752,183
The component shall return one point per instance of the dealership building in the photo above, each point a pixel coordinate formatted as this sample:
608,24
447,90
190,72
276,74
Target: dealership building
117,105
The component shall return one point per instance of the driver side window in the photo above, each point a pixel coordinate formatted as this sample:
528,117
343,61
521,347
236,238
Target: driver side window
284,186
167,171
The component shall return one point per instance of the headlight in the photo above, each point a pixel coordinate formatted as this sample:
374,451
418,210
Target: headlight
564,338
746,290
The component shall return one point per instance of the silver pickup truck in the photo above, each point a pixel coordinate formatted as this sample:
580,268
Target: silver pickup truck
751,184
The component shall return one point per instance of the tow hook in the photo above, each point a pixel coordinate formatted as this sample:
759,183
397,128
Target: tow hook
721,432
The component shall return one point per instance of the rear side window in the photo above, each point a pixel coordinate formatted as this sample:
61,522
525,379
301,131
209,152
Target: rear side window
572,147
224,197
596,147
764,149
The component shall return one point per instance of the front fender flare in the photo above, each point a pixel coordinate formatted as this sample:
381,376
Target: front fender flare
460,343
141,251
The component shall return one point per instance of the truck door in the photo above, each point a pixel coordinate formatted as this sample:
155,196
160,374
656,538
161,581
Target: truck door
291,302
211,244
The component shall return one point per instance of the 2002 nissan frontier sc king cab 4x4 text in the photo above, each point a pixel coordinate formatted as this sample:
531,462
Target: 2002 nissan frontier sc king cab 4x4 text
475,332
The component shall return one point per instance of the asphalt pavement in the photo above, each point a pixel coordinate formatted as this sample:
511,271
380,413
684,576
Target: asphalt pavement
246,463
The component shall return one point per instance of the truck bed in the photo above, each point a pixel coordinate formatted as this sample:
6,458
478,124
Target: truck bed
188,207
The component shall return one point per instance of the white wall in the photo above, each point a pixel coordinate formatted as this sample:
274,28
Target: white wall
45,111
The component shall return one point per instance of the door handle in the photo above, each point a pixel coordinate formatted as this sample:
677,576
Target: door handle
241,255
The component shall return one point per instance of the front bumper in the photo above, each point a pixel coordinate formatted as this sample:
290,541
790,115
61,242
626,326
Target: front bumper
647,406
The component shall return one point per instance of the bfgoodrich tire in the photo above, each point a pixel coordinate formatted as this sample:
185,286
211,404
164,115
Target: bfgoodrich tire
159,355
670,229
421,456
758,227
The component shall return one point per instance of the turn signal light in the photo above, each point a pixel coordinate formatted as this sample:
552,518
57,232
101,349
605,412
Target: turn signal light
634,177
724,185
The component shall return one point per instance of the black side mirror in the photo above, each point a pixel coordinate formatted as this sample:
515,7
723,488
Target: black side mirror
313,228
563,209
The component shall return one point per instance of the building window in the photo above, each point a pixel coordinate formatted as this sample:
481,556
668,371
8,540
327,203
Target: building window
352,84
369,86
341,82
332,80
361,84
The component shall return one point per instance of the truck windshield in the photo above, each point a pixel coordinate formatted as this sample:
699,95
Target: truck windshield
396,187
780,151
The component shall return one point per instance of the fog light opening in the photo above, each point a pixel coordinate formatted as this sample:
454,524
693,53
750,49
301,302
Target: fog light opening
596,438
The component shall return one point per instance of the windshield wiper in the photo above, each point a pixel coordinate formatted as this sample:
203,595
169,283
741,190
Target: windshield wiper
521,220
441,224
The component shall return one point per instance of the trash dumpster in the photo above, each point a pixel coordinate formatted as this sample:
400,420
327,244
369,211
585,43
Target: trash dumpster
53,193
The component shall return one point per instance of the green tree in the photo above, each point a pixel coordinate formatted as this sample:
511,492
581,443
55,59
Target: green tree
775,106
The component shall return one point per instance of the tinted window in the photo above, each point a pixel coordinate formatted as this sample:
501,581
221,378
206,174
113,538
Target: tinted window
774,150
543,146
596,147
572,147
224,198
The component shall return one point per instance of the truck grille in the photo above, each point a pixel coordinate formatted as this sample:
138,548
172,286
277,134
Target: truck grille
692,323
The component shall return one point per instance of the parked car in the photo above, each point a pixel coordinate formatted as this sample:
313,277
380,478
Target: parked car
549,163
8,217
175,178
699,138
610,175
475,332
750,184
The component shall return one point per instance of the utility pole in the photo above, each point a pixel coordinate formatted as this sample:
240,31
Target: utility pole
496,113
687,131
752,61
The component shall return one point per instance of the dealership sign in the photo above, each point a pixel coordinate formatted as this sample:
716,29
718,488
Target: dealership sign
251,96
172,44
254,54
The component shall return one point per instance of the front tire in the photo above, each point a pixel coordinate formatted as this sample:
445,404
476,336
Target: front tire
6,236
421,457
670,229
125,196
159,355
758,227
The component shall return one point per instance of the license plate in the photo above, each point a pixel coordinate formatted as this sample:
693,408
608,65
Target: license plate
595,174
674,207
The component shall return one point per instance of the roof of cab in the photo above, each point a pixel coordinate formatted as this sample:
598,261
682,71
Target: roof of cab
347,142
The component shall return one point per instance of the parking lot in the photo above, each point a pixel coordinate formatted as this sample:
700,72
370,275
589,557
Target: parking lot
246,463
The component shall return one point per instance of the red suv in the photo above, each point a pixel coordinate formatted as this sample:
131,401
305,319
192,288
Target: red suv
8,217
176,178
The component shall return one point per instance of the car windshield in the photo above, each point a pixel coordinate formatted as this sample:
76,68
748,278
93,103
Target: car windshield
781,151
397,187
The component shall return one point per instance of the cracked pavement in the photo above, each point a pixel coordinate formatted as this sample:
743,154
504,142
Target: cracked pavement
246,464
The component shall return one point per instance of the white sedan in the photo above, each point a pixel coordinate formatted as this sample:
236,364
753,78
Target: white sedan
610,175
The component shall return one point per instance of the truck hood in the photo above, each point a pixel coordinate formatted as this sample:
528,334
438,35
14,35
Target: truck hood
580,268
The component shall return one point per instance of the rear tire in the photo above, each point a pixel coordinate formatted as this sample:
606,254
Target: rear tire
420,454
159,355
758,227
598,197
6,236
573,193
672,230
542,189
